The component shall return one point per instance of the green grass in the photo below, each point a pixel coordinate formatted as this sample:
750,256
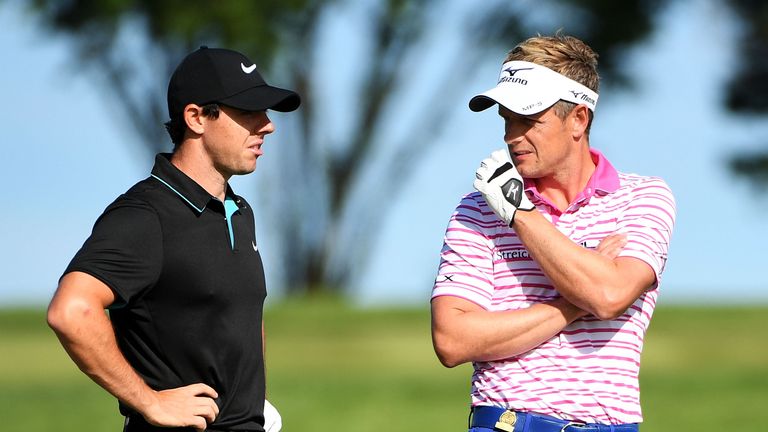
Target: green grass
336,368
706,368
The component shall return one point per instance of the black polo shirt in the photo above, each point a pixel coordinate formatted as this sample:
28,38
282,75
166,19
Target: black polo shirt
189,282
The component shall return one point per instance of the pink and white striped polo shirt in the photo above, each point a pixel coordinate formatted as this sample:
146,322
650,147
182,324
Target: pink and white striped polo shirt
588,372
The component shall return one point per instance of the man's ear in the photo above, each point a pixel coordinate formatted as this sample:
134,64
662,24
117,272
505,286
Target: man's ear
193,117
579,121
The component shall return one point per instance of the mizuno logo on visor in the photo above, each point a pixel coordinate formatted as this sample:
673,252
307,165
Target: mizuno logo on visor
512,72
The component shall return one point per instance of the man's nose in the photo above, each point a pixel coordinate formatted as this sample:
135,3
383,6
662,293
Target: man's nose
265,125
513,133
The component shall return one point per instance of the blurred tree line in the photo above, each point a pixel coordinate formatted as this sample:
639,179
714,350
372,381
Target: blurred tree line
330,198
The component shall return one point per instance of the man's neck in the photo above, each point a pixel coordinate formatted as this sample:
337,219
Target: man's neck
199,167
564,186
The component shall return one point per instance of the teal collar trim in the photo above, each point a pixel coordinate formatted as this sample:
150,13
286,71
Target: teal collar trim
230,207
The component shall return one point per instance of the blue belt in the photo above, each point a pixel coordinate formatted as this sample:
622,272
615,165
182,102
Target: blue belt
500,419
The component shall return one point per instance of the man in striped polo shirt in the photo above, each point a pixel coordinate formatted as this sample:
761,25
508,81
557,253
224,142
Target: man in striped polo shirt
549,274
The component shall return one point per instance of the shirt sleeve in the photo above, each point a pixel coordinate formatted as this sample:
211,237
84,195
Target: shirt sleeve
466,259
648,222
124,250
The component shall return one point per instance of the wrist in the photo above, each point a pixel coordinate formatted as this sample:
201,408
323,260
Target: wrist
570,311
147,401
522,216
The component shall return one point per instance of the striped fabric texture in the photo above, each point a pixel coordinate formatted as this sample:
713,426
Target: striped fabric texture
588,372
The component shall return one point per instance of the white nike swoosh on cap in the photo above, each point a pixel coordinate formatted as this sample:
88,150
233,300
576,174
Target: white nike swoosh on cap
248,69
255,248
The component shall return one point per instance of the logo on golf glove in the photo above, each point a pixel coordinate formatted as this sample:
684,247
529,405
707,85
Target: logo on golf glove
502,186
513,189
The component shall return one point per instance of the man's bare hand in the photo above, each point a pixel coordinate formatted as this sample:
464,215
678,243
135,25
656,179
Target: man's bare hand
612,245
190,406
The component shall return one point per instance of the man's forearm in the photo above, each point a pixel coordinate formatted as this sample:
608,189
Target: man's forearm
86,334
588,279
461,334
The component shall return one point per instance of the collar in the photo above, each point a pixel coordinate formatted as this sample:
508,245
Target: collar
604,180
186,188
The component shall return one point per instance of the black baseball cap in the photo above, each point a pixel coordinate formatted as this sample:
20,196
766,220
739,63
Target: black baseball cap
217,75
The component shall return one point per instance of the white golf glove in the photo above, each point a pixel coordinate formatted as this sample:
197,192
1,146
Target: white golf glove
272,420
502,186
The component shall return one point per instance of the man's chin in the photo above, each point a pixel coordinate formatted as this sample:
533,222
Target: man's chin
245,170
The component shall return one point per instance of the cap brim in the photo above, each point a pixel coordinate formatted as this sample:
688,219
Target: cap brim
263,98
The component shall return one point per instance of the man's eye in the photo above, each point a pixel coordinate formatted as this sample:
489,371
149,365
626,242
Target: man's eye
524,121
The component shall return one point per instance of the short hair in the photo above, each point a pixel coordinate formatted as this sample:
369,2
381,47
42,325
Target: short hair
177,127
566,55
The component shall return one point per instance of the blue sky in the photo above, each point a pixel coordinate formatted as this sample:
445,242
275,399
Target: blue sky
66,155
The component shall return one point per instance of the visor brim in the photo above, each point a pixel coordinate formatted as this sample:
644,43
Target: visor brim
520,102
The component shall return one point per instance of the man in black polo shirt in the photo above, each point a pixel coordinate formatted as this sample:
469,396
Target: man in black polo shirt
176,262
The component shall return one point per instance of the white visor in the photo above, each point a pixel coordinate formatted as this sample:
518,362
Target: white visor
528,88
